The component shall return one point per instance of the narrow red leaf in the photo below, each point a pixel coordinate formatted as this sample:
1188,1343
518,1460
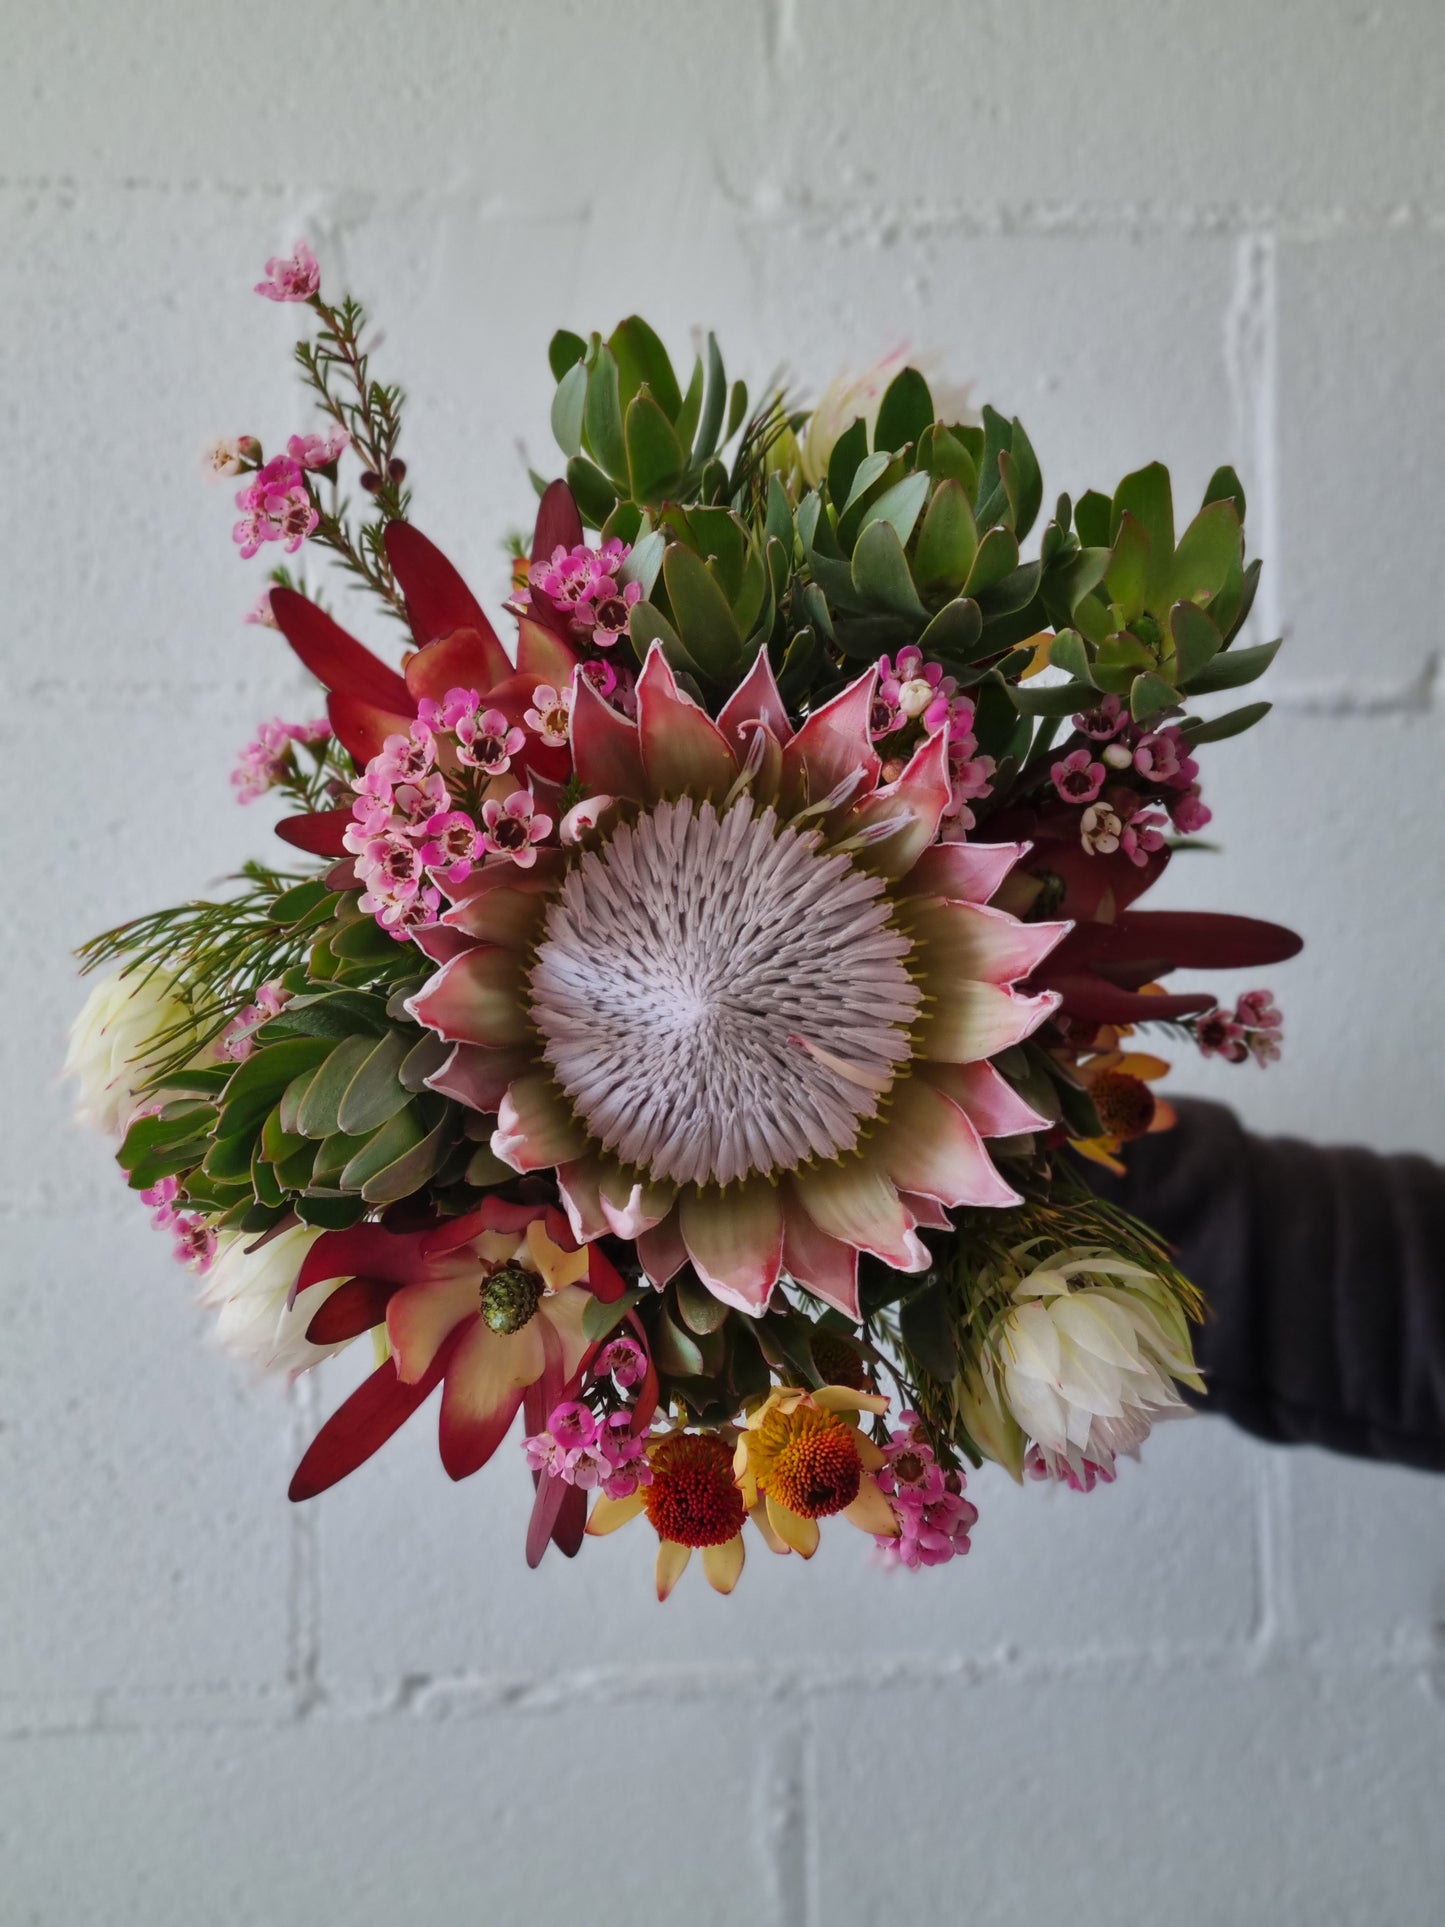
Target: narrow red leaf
437,599
378,1407
361,728
318,832
338,661
352,1308
559,524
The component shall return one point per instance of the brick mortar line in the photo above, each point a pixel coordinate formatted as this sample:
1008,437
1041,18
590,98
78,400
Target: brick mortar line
463,1696
843,220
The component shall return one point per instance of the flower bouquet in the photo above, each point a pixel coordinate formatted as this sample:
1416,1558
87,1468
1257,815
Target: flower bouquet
676,1036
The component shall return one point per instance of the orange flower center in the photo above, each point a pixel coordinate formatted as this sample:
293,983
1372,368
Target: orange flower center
693,1499
1125,1104
816,1472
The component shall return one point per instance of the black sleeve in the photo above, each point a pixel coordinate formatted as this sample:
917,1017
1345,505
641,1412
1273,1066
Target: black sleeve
1325,1274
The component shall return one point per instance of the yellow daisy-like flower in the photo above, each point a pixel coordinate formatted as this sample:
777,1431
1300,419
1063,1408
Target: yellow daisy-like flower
693,1504
802,1458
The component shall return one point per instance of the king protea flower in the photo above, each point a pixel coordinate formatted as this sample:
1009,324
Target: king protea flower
748,1024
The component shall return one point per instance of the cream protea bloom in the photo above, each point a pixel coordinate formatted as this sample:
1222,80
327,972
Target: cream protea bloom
849,398
124,1024
747,1021
250,1286
1085,1358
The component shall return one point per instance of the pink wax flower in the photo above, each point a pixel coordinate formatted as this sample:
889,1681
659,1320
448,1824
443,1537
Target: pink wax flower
1187,813
291,277
1218,1035
1157,755
276,508
260,612
413,803
402,917
318,451
453,846
911,688
406,759
601,675
488,741
624,1455
1257,1010
195,1242
161,1197
444,718
624,1359
551,715
572,1425
1142,831
1077,778
1110,719
237,1041
612,611
569,577
513,828
391,864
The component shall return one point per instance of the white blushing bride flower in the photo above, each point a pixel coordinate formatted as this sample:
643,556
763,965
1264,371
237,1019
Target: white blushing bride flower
249,1286
1085,1358
113,1042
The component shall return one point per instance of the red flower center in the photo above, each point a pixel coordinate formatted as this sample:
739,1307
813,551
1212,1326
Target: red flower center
693,1499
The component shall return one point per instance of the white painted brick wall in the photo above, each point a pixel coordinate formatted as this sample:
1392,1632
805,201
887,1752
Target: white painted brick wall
1203,232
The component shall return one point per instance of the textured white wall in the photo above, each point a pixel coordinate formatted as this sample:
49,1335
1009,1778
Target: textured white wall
1198,231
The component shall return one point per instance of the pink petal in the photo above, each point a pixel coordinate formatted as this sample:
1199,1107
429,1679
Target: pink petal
507,915
535,1129
927,1212
928,1145
976,1020
475,999
971,940
857,1203
827,1267
755,700
735,1241
964,872
990,1102
441,944
605,747
478,1077
921,793
683,750
832,744
661,1250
